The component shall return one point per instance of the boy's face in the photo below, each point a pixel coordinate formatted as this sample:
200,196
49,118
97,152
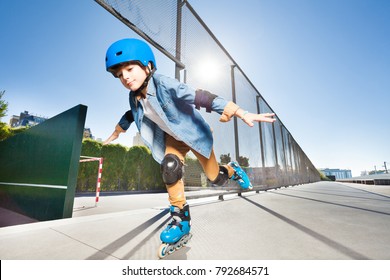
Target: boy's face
132,75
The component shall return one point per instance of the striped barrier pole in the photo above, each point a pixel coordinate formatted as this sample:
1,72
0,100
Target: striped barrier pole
86,159
99,181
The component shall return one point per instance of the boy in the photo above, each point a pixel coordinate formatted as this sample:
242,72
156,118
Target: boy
164,111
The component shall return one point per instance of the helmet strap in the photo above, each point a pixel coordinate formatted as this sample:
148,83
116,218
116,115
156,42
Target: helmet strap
138,92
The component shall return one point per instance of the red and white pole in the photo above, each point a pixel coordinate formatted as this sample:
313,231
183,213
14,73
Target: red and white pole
99,180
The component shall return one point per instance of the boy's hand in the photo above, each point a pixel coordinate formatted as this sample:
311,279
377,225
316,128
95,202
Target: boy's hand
108,141
249,118
118,130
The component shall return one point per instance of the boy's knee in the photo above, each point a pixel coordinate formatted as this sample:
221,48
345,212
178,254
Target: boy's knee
171,169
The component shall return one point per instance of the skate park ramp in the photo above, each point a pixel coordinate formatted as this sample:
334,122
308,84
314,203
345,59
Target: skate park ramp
39,167
317,221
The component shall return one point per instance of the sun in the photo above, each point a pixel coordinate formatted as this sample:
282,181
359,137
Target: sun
208,70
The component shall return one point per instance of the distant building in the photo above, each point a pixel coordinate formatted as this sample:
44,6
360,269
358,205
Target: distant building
25,119
137,140
337,173
88,133
14,121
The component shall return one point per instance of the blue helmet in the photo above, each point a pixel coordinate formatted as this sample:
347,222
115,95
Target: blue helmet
126,50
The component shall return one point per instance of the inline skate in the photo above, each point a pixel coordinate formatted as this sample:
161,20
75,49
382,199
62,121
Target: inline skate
240,176
177,233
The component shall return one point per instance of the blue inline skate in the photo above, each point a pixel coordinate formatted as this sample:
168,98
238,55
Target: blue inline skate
177,233
240,176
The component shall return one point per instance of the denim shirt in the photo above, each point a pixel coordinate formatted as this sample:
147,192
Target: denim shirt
174,103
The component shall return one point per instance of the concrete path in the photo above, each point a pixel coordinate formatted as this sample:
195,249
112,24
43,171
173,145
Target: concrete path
319,221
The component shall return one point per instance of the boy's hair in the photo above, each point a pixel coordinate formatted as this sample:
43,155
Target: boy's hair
116,67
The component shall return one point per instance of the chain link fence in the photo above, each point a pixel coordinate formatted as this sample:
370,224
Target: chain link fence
271,155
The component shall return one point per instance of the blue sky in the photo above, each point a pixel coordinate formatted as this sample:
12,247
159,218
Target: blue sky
323,66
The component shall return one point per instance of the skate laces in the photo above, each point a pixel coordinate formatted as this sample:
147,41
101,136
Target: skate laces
236,175
176,214
175,223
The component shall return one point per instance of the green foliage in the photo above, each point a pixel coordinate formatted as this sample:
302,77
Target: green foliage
87,178
3,105
91,148
123,169
142,172
323,176
243,161
5,130
114,160
225,159
19,129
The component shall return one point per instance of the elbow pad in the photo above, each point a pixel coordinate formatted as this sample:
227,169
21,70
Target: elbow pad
204,98
126,120
129,116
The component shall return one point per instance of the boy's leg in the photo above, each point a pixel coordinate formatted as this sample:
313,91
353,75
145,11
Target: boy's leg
214,172
176,150
177,233
218,175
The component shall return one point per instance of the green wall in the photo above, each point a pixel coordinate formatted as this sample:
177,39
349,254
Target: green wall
38,167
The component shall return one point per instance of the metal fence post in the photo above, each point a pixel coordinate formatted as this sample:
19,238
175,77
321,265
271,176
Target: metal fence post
234,99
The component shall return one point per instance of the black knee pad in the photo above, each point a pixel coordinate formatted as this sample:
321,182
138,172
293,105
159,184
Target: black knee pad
171,169
222,177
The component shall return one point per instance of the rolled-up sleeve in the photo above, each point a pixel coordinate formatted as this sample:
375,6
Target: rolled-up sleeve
126,120
229,111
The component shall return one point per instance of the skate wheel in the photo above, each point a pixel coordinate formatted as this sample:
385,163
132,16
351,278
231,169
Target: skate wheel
162,250
179,245
187,239
171,250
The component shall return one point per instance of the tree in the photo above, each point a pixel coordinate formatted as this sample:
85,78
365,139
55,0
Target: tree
243,161
141,171
87,175
3,105
114,156
5,130
225,159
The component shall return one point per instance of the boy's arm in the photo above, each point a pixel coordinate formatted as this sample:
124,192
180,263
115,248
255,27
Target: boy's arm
228,109
249,118
121,127
232,109
211,102
118,130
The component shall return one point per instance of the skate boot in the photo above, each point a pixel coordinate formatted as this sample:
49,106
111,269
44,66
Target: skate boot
177,233
240,176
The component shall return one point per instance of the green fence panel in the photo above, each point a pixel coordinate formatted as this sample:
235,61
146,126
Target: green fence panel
38,167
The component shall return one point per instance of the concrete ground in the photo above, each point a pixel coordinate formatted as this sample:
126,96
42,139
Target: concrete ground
319,221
